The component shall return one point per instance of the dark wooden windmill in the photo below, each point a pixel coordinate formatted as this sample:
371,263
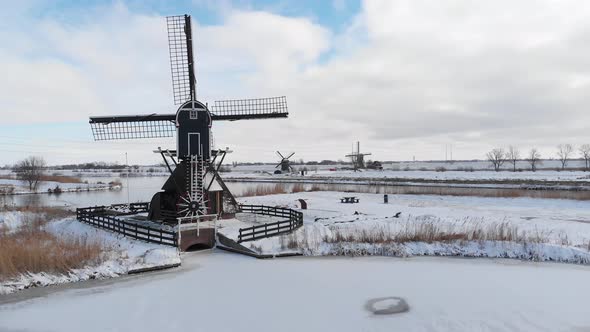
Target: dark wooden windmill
194,188
357,158
284,164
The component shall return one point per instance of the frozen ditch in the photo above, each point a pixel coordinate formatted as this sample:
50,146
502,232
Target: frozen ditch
228,292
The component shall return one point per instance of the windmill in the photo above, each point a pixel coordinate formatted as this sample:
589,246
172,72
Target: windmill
194,188
357,158
285,164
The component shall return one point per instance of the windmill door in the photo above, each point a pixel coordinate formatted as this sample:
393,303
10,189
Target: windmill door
194,144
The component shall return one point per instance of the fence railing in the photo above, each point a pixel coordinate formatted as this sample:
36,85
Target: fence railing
294,221
96,216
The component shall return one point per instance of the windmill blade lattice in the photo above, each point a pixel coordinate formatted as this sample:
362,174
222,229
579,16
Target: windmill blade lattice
132,126
181,58
244,109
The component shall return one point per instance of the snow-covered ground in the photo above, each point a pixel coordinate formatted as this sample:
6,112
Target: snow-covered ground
366,175
424,165
123,255
558,229
228,292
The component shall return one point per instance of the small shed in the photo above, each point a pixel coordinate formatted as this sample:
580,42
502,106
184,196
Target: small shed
214,195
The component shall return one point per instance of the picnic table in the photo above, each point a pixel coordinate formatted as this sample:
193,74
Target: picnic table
349,199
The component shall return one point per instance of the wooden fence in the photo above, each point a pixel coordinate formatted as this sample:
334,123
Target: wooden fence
294,221
96,216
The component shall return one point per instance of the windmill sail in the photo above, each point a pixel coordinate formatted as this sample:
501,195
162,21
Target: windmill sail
244,109
133,126
180,45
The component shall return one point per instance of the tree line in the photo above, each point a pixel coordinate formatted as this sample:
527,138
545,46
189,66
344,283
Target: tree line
565,152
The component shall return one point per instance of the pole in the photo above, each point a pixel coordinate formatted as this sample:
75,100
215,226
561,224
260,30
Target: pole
127,163
179,236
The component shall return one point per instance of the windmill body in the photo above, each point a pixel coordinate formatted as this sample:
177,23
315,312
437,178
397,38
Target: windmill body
194,130
357,158
284,164
194,188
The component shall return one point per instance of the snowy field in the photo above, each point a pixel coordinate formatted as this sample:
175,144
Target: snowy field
480,165
560,229
215,291
367,175
123,255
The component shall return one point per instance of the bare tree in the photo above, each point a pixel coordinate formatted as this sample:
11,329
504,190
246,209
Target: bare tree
534,158
585,152
30,170
497,157
564,152
513,155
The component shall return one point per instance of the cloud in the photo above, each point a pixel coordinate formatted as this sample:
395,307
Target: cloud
406,77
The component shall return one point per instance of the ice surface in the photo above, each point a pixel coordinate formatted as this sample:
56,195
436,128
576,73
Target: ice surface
229,292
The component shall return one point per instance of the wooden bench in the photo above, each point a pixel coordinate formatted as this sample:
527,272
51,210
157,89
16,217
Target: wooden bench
349,199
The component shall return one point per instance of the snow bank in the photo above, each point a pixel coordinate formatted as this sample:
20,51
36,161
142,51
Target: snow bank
539,252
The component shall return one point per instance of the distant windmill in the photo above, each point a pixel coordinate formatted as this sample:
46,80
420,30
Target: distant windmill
285,164
357,158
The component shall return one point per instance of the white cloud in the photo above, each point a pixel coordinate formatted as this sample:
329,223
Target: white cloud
406,78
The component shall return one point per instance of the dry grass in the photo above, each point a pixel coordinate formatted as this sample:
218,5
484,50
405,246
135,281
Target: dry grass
61,179
430,232
115,183
298,187
264,190
47,212
31,249
35,250
279,188
315,187
289,241
54,178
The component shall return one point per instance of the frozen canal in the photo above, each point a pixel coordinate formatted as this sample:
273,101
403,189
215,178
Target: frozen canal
227,292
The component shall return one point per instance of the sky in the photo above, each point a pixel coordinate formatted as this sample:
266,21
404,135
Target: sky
406,78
